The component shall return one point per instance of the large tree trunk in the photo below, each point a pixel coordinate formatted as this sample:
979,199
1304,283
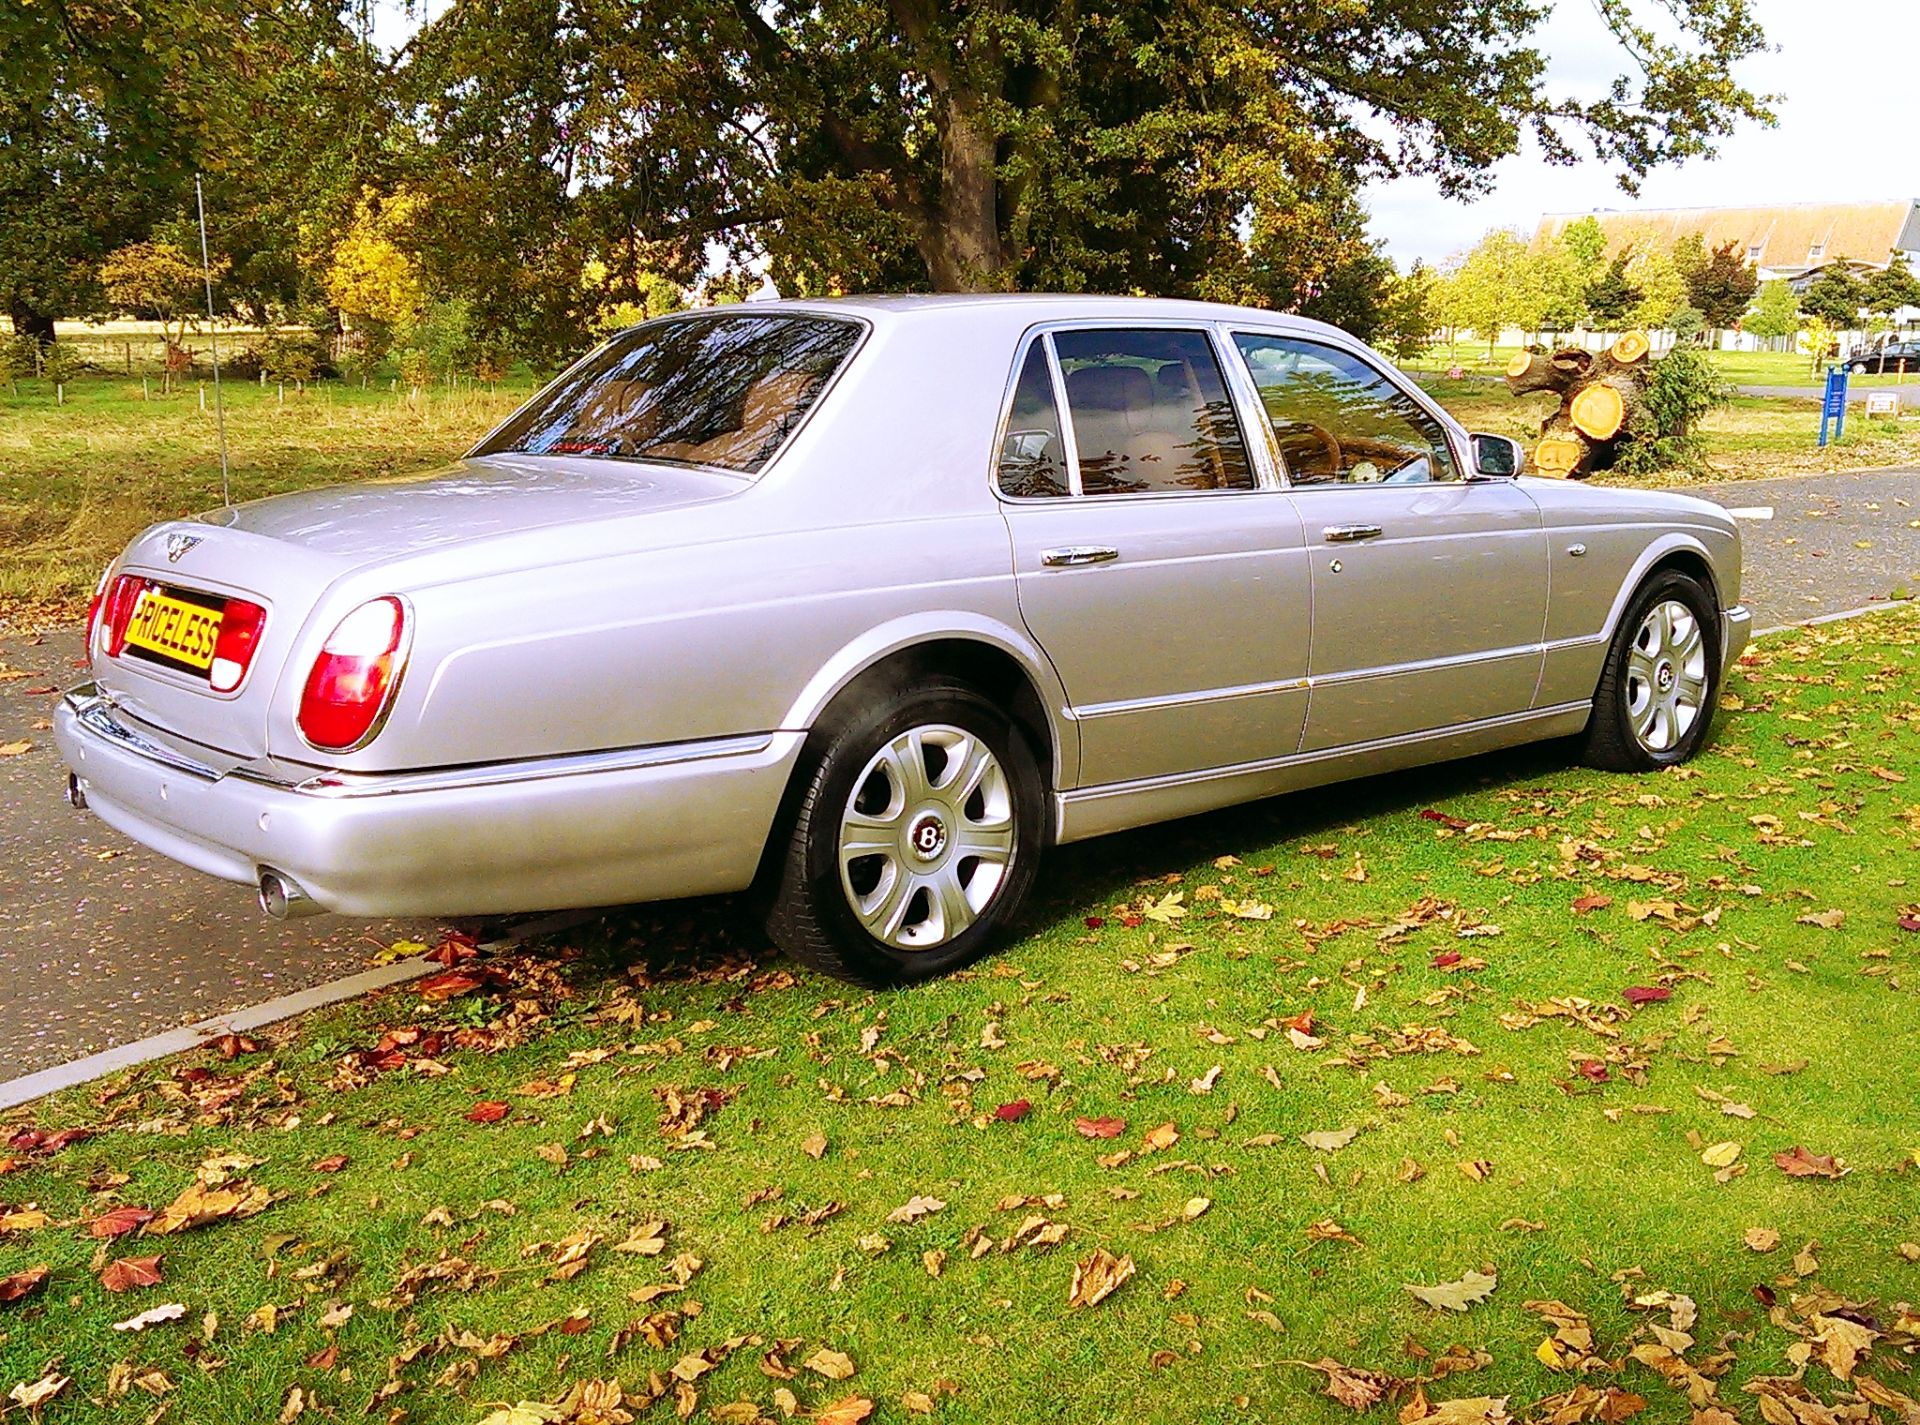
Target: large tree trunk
27,322
961,240
1598,398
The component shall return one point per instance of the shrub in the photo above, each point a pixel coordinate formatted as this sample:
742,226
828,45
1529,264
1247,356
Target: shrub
1683,388
19,358
60,363
293,356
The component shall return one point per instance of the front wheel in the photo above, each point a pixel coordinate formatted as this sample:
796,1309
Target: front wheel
914,838
1656,695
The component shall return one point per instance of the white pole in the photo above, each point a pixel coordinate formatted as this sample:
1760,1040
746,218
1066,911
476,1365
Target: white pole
213,334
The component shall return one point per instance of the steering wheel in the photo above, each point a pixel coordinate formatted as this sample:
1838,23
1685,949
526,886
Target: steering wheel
1323,437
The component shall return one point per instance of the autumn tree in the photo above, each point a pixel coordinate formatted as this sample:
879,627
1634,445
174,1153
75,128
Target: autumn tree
156,281
1720,285
1000,144
371,278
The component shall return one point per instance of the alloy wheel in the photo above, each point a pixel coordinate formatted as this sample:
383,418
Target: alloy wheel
928,837
1666,676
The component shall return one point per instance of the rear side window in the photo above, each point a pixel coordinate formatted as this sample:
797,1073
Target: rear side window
1150,412
723,391
1033,462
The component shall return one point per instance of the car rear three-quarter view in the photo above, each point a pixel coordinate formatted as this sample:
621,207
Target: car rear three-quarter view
861,605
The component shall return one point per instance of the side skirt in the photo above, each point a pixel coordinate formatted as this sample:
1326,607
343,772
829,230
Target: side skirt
1120,806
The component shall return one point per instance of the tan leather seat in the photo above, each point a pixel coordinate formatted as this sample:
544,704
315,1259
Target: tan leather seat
1127,439
768,411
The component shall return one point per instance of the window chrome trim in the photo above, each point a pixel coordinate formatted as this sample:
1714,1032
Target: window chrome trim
1388,373
1062,417
739,311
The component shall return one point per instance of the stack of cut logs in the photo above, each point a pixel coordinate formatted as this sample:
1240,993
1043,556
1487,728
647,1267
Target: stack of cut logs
1598,396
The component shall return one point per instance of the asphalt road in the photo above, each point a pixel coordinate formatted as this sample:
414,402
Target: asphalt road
102,941
1833,542
1857,390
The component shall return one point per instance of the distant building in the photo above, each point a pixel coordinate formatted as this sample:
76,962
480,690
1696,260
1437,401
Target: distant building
1790,241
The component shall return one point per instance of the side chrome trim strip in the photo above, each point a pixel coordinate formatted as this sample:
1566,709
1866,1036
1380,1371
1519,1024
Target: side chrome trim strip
1324,754
1181,700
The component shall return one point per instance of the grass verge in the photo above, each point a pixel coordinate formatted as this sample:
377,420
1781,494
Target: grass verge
1505,1017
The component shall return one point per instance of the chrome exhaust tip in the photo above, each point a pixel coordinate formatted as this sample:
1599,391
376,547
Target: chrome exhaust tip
283,898
76,792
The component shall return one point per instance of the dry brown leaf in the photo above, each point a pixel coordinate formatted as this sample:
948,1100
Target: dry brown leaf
1097,1278
1471,1289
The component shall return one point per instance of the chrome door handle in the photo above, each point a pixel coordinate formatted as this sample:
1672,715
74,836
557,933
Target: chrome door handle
1077,554
1348,533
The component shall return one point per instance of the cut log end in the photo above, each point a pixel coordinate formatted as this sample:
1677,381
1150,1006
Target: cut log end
1630,347
1558,456
1598,411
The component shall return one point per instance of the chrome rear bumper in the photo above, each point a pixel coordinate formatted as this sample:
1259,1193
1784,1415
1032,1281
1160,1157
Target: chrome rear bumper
602,828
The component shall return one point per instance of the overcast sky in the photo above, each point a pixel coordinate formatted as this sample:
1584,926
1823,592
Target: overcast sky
1847,71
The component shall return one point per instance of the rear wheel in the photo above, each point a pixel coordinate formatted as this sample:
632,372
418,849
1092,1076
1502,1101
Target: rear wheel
1656,696
913,840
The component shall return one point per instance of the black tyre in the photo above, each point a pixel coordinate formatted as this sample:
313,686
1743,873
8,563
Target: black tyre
1662,678
912,838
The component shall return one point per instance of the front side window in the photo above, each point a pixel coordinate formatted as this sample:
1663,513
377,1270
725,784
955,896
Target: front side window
723,391
1340,421
1033,462
1150,412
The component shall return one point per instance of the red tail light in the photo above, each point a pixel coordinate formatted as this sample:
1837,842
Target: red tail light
240,624
117,611
354,677
94,604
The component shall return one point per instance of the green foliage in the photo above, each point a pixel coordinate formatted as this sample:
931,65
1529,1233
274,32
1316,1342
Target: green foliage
1776,311
959,146
60,363
442,343
1835,296
19,357
1407,316
1720,285
1656,277
1683,388
1887,291
1612,296
293,356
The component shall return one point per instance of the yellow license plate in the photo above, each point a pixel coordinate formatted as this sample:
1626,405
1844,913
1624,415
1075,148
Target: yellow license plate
174,630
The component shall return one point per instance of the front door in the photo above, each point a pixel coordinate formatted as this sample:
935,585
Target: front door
1429,591
1163,576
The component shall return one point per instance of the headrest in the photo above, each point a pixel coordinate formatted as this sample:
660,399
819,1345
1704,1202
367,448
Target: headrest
1109,388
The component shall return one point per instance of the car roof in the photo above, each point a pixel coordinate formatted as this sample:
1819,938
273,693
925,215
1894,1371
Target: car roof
959,307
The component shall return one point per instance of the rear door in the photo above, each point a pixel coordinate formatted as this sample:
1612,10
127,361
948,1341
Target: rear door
1157,561
1429,592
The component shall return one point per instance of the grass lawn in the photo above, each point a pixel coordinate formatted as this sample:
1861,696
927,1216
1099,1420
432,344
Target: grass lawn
78,480
1545,1025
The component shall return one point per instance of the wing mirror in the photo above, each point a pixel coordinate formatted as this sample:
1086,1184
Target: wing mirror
1497,457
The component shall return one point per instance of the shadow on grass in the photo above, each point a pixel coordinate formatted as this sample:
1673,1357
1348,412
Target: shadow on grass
711,937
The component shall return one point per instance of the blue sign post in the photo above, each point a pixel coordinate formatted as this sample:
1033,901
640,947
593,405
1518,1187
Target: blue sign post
1833,406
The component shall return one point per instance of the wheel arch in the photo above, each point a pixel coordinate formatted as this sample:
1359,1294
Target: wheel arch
1002,662
1675,550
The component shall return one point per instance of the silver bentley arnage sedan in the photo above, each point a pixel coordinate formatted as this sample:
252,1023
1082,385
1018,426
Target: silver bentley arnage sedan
863,604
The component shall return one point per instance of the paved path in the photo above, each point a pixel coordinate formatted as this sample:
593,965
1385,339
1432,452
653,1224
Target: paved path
102,941
1857,389
1808,558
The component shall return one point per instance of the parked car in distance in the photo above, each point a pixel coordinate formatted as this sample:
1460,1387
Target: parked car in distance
1896,356
862,605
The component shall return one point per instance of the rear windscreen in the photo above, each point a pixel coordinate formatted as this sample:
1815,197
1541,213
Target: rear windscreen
723,391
